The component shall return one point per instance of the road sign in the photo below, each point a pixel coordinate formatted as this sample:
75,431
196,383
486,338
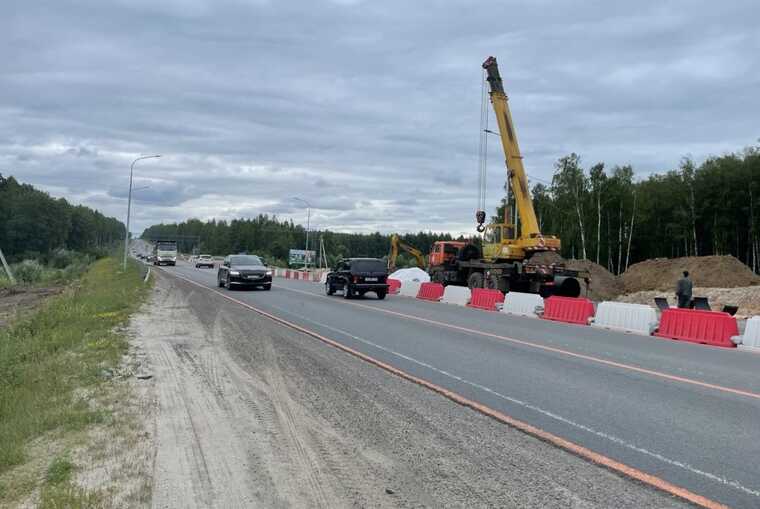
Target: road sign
300,256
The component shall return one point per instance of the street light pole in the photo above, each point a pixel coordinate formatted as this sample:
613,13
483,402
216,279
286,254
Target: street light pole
129,206
308,228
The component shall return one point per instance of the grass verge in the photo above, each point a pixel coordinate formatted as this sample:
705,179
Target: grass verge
50,361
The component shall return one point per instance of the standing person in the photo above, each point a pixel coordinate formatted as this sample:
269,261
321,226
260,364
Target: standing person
683,290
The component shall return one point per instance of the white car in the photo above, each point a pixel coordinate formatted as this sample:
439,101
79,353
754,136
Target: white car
204,261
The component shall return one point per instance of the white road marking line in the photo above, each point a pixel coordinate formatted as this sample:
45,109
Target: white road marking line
551,415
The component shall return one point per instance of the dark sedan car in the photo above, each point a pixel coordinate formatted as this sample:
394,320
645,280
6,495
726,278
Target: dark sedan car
244,271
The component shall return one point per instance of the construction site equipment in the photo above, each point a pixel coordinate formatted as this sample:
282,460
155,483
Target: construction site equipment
396,244
514,255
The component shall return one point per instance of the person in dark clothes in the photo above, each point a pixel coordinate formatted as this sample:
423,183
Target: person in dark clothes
683,290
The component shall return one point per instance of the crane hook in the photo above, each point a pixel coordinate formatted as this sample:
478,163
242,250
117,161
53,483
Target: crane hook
480,217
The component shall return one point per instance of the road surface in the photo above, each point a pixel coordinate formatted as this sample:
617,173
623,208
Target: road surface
687,414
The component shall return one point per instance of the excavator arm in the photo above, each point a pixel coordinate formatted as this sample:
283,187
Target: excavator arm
396,244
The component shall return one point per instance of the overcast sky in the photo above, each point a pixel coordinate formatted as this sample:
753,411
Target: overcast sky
368,110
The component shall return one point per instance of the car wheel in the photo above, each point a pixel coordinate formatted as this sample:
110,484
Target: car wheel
380,295
347,291
227,284
329,290
219,282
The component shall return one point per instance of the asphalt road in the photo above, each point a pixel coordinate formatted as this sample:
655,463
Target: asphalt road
688,414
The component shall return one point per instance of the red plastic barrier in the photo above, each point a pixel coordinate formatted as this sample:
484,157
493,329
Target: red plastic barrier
485,298
394,285
288,274
568,309
706,327
430,291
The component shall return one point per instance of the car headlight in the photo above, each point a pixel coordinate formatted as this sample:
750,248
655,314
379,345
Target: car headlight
234,273
269,273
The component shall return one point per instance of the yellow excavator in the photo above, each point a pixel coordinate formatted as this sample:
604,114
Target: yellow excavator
396,244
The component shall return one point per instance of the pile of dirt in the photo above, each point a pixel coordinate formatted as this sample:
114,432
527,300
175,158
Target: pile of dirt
705,271
19,298
604,284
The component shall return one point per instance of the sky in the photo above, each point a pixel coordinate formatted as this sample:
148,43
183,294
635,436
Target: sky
367,110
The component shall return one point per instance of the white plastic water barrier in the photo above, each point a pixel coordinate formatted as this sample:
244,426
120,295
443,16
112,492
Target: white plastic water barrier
323,278
751,337
525,304
409,288
459,295
638,318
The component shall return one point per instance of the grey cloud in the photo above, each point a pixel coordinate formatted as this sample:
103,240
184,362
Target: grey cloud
349,105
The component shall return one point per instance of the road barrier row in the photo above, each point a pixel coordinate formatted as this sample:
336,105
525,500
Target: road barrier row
697,326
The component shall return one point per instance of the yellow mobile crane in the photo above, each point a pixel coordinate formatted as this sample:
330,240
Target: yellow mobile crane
397,243
503,241
515,255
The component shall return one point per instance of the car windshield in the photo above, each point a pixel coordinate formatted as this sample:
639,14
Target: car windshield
245,260
205,256
368,266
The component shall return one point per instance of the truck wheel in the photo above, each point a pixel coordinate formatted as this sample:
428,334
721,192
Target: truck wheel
475,280
493,282
329,290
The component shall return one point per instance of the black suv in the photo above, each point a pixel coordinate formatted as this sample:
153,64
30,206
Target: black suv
244,270
357,276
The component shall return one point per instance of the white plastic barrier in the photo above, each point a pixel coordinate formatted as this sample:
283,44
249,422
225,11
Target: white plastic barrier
638,318
409,288
459,295
751,337
525,304
323,278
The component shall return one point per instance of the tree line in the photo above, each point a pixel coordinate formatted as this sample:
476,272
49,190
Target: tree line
33,224
607,216
272,238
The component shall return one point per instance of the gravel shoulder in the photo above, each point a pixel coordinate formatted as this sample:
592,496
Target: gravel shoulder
253,414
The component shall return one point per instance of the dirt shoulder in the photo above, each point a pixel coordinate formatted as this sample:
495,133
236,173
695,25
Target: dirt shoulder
250,413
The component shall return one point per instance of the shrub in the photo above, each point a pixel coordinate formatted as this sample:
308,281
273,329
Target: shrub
29,271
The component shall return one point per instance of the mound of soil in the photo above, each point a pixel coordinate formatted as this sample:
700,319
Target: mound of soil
705,271
604,284
747,298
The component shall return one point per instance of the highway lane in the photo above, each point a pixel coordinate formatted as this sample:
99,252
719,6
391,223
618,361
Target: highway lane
703,438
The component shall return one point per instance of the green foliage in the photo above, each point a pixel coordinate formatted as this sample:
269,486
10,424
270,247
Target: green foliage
49,359
28,271
33,224
693,210
272,238
59,471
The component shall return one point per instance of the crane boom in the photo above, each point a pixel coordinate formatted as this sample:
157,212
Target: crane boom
515,170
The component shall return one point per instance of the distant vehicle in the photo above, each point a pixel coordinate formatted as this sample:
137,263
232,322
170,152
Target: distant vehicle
357,276
204,261
244,271
165,252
